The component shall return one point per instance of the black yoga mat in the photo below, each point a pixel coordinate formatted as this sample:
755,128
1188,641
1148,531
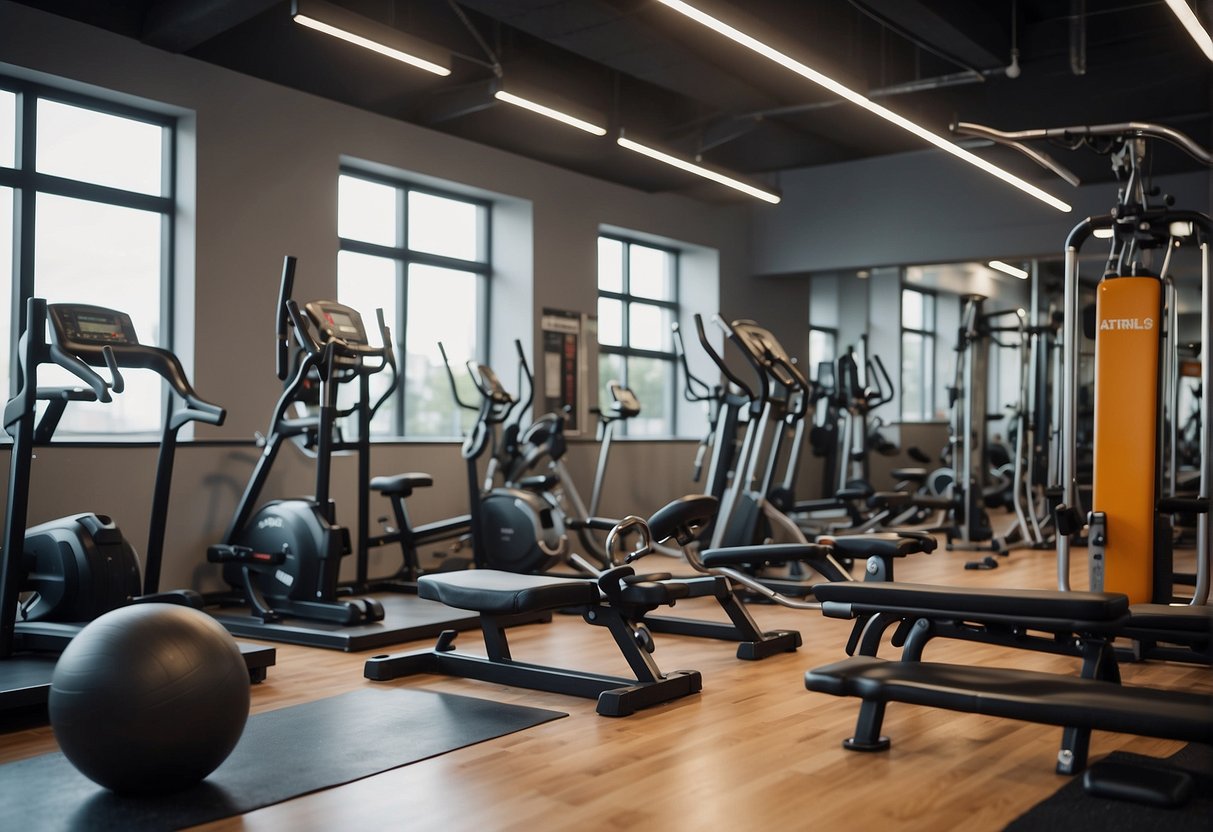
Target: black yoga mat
282,754
1072,809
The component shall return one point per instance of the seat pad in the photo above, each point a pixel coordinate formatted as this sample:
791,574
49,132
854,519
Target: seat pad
1084,607
503,593
401,484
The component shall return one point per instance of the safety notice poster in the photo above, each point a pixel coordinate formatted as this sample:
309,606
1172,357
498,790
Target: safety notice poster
562,366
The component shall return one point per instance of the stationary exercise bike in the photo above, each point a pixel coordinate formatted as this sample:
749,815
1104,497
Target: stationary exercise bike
284,558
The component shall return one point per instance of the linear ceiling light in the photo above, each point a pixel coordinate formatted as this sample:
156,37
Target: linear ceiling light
850,95
699,170
552,113
1007,268
1192,23
354,28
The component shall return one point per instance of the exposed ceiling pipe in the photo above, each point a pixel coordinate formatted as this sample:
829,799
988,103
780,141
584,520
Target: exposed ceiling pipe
1078,37
955,79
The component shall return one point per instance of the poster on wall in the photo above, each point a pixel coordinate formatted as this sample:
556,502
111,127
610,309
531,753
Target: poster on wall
562,369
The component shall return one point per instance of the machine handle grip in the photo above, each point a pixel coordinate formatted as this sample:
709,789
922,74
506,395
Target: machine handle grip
85,373
285,287
716,358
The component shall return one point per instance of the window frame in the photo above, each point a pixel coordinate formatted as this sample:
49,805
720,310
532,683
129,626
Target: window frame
403,257
626,298
929,333
27,183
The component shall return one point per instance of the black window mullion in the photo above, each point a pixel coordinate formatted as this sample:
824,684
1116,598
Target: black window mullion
402,310
26,217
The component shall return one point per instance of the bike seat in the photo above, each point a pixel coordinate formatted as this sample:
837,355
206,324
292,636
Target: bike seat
401,485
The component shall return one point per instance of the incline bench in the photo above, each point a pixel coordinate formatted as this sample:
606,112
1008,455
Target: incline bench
1082,623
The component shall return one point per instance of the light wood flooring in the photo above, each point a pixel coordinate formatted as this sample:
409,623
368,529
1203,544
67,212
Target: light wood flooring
753,751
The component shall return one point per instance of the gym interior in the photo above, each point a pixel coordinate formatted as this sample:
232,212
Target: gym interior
808,295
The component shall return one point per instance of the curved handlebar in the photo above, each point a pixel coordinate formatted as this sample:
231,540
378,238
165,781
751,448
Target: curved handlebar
696,389
884,384
1127,129
84,372
717,359
285,288
644,543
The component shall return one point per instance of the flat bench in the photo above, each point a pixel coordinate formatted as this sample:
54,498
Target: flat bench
1078,704
1008,617
504,599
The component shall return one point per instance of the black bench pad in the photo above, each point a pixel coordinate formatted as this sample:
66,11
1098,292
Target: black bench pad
767,553
1022,694
504,593
911,474
1162,617
883,544
1093,607
401,484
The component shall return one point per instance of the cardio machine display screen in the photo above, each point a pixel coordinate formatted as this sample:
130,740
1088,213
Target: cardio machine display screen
341,324
94,324
97,326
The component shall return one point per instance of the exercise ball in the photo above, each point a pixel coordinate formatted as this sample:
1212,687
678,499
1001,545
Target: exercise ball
149,698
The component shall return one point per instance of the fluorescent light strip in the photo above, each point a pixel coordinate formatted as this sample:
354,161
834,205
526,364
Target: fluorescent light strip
374,46
855,98
1192,23
1007,268
1102,233
527,104
691,167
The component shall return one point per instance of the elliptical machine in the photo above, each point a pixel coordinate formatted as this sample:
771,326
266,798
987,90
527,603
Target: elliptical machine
284,558
514,529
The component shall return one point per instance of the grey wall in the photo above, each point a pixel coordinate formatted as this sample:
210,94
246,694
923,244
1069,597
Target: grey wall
924,207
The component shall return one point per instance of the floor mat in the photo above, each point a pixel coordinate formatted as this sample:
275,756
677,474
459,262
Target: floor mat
1072,809
282,754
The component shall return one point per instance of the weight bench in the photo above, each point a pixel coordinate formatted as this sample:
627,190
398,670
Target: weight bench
504,599
1078,704
1068,623
1010,617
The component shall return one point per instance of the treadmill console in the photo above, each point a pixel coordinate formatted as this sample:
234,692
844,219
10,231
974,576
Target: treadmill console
79,326
338,322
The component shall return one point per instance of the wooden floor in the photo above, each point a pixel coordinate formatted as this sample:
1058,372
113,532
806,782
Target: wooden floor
754,750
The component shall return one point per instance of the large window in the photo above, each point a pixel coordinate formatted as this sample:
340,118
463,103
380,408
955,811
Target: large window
637,303
86,216
917,355
422,257
823,348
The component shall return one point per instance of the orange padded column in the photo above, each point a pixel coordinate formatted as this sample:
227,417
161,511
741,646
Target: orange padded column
1127,344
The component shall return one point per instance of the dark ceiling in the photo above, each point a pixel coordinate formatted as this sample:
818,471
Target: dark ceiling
666,79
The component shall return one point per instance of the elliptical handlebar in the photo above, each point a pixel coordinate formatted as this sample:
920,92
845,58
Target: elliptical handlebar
716,357
884,384
696,389
450,374
285,287
524,373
